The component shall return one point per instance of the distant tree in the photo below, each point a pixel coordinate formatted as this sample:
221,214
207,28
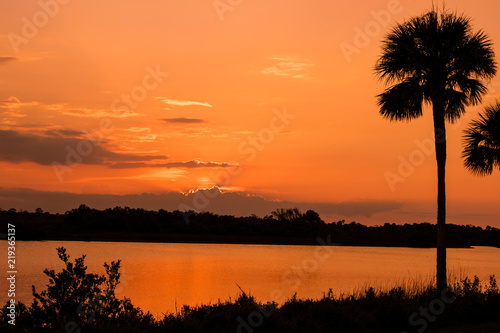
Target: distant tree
435,59
287,215
482,142
312,217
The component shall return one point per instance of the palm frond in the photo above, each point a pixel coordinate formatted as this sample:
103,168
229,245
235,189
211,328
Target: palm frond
482,142
402,101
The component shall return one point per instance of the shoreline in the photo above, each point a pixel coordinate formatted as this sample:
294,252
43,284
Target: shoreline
231,240
141,226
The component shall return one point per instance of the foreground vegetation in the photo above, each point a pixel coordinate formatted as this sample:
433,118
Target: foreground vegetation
283,226
77,301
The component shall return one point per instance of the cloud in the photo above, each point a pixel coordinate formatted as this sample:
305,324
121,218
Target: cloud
99,113
136,135
184,120
187,164
44,150
244,132
63,133
7,59
138,129
142,138
176,102
14,103
233,203
11,110
288,66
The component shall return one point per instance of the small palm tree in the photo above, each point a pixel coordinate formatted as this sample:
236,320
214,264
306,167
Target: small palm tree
434,59
482,142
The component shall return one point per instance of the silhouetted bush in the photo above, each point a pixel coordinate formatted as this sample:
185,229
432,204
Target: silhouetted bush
76,299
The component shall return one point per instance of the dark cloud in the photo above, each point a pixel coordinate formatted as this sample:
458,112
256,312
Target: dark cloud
244,204
188,164
229,203
45,150
184,120
251,204
30,126
7,59
64,133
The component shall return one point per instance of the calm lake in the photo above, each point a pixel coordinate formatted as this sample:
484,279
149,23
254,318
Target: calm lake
162,277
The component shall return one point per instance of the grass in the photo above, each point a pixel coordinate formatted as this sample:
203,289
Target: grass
493,327
367,310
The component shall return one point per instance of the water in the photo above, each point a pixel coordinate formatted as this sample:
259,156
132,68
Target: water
163,277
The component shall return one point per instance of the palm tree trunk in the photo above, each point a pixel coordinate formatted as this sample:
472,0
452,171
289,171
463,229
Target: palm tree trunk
440,144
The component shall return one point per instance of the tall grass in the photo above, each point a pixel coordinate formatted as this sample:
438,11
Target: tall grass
381,309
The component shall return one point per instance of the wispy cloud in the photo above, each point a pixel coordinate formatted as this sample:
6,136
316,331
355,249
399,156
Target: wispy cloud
184,120
177,102
188,165
244,132
63,133
149,137
14,103
11,110
138,129
139,135
288,66
99,113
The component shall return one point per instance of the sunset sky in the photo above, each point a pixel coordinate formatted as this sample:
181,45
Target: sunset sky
274,102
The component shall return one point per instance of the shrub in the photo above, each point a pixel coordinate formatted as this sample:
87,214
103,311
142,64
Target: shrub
75,299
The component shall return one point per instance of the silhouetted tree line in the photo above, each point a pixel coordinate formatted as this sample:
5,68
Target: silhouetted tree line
283,226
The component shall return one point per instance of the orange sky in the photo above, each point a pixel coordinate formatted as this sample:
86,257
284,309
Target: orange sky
209,86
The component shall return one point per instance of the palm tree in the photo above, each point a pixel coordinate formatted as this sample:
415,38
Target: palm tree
482,142
434,59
